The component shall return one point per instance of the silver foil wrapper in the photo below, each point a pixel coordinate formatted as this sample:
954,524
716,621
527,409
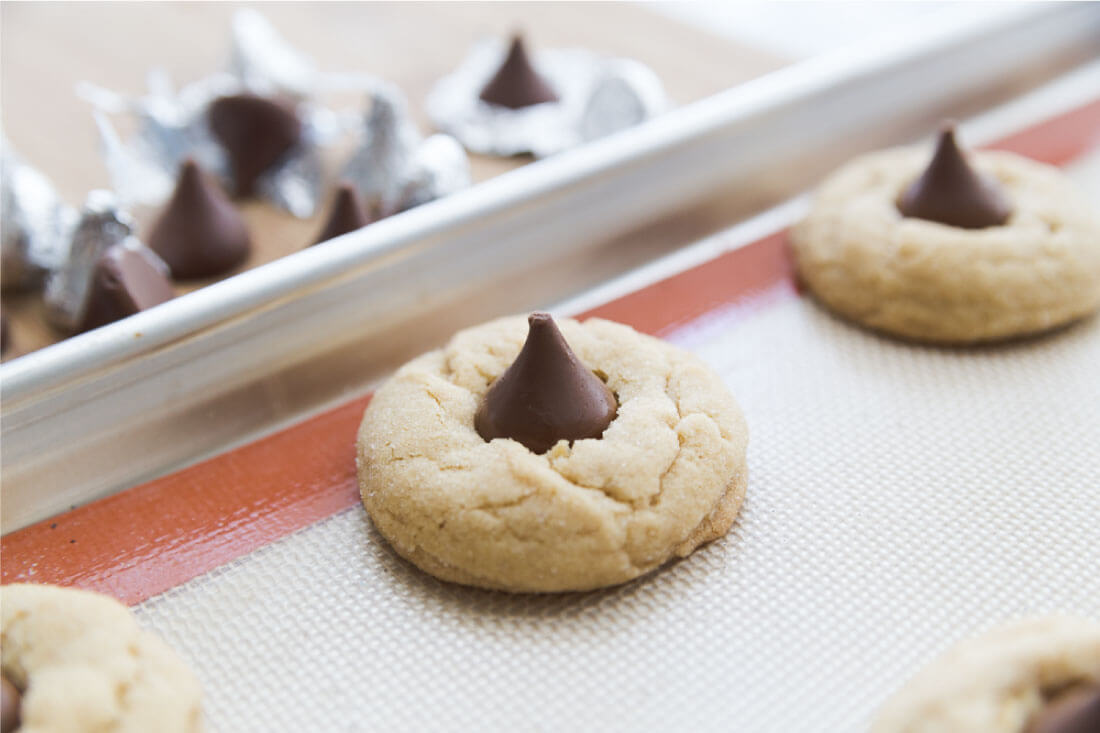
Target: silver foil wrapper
296,183
102,224
626,94
35,223
265,63
439,167
394,166
590,104
173,125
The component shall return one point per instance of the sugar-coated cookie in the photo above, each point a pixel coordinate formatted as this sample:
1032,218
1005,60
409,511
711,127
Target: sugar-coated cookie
1034,676
665,475
1019,252
80,662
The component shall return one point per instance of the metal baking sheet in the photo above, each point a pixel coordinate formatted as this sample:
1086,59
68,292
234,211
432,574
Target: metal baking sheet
243,357
189,40
901,497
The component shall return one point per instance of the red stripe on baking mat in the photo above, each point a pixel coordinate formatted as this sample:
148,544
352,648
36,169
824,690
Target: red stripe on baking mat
736,276
155,536
148,539
1060,139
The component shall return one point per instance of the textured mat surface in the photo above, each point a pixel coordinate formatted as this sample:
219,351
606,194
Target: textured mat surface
900,497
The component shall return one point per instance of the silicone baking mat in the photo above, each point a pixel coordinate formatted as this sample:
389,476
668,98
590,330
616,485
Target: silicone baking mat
900,497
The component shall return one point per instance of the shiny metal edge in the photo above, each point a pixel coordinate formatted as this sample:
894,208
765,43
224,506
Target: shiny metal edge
1062,95
216,367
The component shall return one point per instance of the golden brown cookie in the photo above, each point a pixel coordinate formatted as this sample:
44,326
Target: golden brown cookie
935,282
667,475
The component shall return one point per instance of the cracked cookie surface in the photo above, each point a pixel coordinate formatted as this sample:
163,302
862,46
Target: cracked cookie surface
996,682
83,664
668,474
931,282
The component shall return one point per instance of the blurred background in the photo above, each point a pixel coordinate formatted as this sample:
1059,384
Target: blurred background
697,48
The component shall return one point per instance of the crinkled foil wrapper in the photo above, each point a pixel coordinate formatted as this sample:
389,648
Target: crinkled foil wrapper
265,63
35,223
597,96
626,93
173,125
296,182
439,167
394,166
102,224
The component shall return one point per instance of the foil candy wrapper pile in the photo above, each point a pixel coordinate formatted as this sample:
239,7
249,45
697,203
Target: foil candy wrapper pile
36,223
49,245
102,225
394,167
597,96
173,125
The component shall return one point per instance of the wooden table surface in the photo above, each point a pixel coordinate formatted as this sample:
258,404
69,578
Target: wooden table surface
45,49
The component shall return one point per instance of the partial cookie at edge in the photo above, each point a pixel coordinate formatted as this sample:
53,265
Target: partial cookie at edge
83,663
995,682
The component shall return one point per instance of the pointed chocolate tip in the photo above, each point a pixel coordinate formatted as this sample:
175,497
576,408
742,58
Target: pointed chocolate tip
190,183
11,705
199,233
189,169
947,144
946,138
347,214
516,83
255,132
1076,710
546,395
950,192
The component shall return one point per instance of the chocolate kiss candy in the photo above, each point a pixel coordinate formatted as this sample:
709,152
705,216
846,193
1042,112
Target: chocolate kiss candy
546,395
127,279
255,132
1077,710
951,192
199,233
10,703
102,224
347,214
516,83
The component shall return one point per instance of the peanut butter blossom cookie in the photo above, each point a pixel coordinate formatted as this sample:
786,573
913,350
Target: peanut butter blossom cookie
1034,676
567,460
951,250
75,661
